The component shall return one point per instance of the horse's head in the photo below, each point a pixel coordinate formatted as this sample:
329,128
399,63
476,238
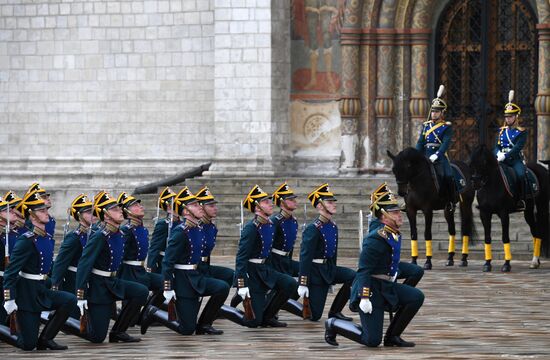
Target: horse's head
482,161
406,166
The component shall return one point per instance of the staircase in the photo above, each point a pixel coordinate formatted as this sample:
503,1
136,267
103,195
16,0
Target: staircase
353,194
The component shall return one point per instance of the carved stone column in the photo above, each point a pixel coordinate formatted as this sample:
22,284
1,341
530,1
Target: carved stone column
542,102
384,106
350,104
419,103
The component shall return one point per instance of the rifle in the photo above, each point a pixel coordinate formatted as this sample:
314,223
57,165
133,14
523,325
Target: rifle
172,314
84,322
360,229
66,226
305,218
171,220
306,311
14,326
7,244
248,310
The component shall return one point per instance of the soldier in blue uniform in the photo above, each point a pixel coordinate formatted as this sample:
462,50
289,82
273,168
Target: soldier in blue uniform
97,285
66,262
208,203
509,145
374,289
253,276
8,235
136,246
25,288
159,239
50,226
318,257
182,279
286,231
434,141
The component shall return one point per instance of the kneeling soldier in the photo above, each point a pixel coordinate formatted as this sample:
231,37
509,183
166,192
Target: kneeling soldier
374,289
253,277
182,279
97,286
318,256
161,232
25,288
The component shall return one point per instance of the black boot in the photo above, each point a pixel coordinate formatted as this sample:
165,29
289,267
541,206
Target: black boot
154,314
7,337
209,314
520,205
278,299
127,314
156,299
236,300
347,329
293,307
464,260
340,301
452,194
52,327
400,321
232,314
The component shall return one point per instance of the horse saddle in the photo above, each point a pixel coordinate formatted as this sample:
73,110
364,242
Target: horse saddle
458,175
510,180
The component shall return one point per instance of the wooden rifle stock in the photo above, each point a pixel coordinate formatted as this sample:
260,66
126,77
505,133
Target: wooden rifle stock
306,312
14,327
172,314
248,310
84,322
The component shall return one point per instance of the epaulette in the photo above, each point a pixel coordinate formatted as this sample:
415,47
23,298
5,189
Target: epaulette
382,232
28,234
427,122
448,123
520,128
318,223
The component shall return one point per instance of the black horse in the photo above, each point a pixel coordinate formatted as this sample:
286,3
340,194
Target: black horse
494,198
417,183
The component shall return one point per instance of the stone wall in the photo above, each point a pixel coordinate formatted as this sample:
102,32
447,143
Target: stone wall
93,92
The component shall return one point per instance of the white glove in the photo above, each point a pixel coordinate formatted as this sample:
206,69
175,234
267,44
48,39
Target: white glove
500,156
82,305
243,292
366,306
433,157
10,306
303,291
168,295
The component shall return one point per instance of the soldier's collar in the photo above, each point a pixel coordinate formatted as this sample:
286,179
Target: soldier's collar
323,219
82,228
135,221
389,229
110,228
286,214
206,220
39,232
261,220
190,223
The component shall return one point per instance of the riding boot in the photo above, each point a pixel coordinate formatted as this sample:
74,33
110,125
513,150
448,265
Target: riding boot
400,321
278,299
155,299
232,314
7,337
520,205
154,314
209,314
52,327
340,301
236,300
347,329
118,332
293,307
452,194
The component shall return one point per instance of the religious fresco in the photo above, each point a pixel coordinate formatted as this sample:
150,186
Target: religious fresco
315,49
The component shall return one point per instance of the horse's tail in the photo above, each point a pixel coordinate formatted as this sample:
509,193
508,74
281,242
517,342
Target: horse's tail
467,196
542,204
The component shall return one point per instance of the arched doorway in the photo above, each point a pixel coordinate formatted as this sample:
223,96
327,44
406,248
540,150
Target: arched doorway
484,48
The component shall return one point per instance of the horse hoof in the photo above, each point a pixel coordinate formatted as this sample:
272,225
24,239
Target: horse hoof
450,262
463,263
413,261
428,265
535,265
487,268
506,268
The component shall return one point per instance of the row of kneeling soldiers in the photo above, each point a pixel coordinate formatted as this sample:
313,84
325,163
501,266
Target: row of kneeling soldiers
109,257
